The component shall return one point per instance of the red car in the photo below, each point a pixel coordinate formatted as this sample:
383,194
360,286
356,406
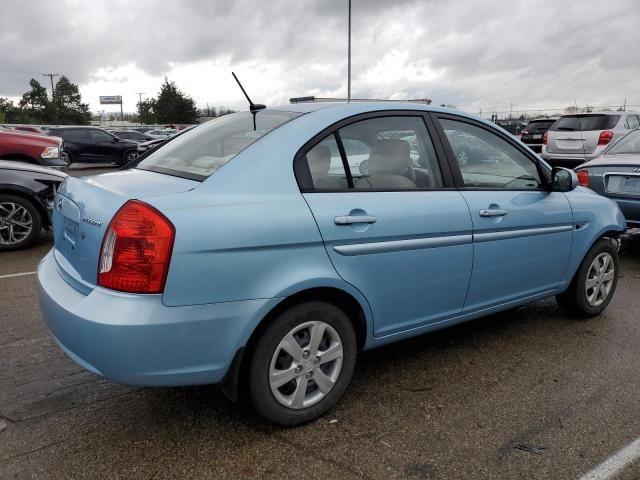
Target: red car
32,148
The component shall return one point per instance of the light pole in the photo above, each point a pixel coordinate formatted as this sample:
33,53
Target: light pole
349,55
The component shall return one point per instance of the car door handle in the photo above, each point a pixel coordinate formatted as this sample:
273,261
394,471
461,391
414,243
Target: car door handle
351,219
496,212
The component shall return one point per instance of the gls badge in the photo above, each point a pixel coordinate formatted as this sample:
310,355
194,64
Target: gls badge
91,221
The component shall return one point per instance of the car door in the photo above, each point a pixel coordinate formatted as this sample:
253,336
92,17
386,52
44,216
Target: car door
78,144
522,232
105,146
392,223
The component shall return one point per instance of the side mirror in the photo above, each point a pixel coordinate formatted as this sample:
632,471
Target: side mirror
563,179
116,139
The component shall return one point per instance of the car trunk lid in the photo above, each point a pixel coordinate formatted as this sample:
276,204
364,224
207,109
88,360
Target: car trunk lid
83,209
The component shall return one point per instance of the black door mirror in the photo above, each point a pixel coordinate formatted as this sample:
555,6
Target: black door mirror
563,179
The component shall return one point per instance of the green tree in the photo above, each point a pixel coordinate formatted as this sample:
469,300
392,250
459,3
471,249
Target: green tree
173,106
34,104
8,111
67,103
147,111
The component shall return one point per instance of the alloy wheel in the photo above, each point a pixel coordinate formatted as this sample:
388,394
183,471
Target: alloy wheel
306,365
600,277
16,223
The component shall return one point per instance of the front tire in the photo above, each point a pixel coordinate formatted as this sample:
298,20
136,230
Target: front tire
20,223
595,282
302,363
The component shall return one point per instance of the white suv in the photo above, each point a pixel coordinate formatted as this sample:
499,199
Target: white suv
577,138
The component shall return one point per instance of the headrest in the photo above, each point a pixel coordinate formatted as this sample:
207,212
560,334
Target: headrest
319,159
389,157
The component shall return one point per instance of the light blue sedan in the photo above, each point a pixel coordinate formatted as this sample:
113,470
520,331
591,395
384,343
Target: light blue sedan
264,249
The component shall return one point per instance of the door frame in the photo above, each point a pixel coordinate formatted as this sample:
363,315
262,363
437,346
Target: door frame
543,169
303,175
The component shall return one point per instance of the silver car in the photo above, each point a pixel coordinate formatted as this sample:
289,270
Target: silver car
578,138
616,174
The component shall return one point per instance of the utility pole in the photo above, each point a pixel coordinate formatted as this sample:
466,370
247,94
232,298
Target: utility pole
51,75
349,57
140,96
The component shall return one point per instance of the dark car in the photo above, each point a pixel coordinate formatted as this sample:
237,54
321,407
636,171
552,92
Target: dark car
533,133
131,135
94,145
616,174
26,200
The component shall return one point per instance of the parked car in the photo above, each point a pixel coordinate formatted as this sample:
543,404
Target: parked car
131,135
26,200
616,174
94,145
161,133
534,131
146,148
32,148
29,128
574,139
247,251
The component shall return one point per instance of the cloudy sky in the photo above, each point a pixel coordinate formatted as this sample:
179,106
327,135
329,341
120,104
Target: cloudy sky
474,54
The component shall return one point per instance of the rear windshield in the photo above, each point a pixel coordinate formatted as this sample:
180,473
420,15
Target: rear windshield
536,126
572,123
199,153
628,144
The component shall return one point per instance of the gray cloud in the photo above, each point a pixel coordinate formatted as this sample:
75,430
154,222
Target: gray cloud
474,54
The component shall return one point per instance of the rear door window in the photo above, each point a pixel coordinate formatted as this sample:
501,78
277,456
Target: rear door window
100,136
326,166
391,153
632,122
74,135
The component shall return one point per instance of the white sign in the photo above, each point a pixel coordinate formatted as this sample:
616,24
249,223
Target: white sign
111,100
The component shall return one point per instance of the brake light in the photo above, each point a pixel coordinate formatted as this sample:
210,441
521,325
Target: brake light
525,132
545,137
605,137
136,250
583,178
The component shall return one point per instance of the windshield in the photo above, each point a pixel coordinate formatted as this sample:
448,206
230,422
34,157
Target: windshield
585,123
199,153
629,144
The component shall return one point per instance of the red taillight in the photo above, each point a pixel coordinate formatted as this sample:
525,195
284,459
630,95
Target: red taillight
545,137
583,178
605,137
136,250
525,132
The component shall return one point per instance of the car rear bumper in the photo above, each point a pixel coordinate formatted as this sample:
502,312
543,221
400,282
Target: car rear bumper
136,340
569,160
630,209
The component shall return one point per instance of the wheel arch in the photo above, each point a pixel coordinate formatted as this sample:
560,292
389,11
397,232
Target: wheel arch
31,197
357,313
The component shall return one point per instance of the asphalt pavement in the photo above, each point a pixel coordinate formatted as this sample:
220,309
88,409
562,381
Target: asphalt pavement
527,393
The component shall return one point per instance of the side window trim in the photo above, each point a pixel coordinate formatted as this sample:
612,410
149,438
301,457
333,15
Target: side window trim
545,176
345,161
303,175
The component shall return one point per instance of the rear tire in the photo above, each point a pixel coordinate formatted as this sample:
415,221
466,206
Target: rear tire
20,222
293,389
594,283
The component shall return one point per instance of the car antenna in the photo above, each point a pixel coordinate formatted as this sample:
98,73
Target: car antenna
253,107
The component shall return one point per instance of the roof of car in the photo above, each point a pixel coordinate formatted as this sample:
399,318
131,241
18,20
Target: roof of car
626,160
